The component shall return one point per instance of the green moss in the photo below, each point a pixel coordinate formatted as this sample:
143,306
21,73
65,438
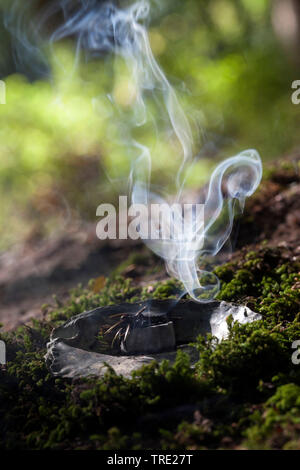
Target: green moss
40,412
277,423
267,280
166,290
287,397
241,391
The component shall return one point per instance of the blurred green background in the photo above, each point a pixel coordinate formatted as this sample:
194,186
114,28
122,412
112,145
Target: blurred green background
232,63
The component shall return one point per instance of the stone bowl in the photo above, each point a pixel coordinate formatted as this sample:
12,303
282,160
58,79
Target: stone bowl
151,330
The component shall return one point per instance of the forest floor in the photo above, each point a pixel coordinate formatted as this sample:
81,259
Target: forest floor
243,393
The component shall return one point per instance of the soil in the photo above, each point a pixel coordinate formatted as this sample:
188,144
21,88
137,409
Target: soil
31,274
274,213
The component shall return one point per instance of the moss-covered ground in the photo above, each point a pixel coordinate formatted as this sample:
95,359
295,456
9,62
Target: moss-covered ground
244,392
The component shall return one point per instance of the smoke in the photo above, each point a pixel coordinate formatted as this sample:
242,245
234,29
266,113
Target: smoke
100,28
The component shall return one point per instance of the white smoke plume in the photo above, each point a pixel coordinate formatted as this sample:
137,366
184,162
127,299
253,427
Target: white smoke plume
104,27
